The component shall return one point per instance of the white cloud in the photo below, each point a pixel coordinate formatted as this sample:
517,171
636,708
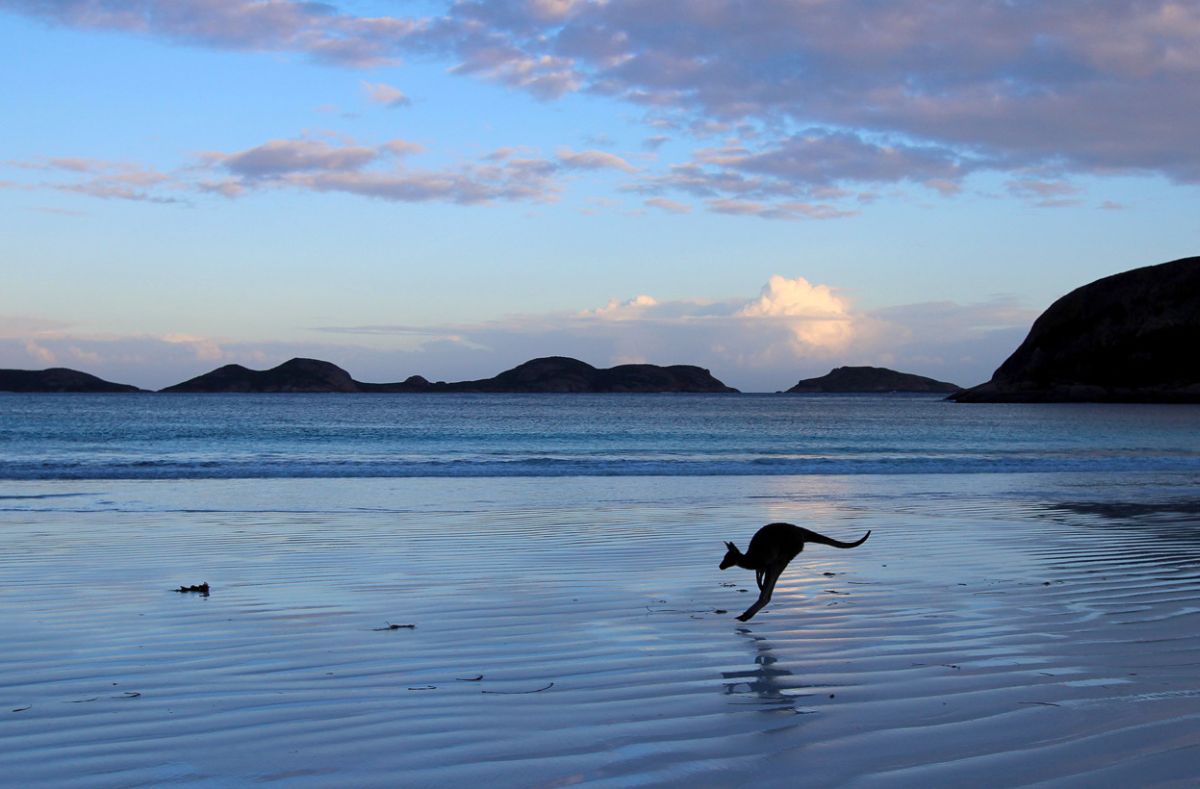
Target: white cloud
816,316
624,310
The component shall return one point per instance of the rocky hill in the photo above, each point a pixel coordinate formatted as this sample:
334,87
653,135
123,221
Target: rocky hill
871,379
1131,337
563,374
57,379
294,375
549,374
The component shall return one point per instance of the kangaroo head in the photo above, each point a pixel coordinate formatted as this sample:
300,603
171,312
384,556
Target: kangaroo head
732,554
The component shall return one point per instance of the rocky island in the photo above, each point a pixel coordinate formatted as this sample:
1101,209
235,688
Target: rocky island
1129,338
57,379
548,374
294,375
862,380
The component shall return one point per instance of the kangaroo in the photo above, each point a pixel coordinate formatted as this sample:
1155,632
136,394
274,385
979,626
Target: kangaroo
771,548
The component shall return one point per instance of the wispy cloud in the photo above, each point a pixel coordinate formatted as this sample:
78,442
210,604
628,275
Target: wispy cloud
593,160
666,204
387,95
97,178
319,165
1045,192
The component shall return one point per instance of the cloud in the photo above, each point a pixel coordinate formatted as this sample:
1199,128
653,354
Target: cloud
204,348
671,206
41,353
387,95
593,160
107,180
624,310
26,326
779,210
379,172
849,94
1045,192
806,175
279,157
318,165
816,316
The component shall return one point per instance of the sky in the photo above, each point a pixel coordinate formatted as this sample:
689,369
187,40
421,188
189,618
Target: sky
765,189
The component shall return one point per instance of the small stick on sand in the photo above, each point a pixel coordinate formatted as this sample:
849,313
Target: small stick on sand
517,692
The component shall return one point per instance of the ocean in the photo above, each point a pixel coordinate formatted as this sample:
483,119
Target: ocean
1025,609
98,437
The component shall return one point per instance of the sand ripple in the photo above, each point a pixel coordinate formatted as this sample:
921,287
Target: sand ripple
979,638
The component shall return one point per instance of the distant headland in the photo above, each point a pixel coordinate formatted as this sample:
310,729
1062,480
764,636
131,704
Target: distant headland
1129,338
873,380
547,374
57,379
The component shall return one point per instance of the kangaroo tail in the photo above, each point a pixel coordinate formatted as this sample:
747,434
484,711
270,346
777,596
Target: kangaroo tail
812,536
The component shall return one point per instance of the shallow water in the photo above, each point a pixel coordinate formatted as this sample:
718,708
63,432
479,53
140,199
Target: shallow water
995,630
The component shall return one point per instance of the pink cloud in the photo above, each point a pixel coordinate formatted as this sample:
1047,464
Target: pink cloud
387,95
593,160
668,205
376,171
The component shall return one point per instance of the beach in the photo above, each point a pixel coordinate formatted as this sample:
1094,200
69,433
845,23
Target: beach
995,630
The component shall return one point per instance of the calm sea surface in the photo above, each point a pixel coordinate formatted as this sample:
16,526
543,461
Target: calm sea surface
93,437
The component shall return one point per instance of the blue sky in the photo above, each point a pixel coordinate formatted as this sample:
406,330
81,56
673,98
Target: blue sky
768,190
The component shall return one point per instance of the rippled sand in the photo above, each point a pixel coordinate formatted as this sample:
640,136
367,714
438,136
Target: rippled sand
994,631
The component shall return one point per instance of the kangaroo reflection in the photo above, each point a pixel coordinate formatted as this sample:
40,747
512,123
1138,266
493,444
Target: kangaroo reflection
766,681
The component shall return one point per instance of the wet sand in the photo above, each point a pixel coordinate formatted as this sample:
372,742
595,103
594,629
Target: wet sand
994,631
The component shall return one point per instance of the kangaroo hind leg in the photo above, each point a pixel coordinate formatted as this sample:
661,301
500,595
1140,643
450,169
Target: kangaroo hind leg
769,576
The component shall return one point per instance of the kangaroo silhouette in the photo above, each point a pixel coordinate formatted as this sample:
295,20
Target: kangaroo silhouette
771,548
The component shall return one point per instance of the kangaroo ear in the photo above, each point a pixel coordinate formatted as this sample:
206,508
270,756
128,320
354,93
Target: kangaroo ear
730,546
